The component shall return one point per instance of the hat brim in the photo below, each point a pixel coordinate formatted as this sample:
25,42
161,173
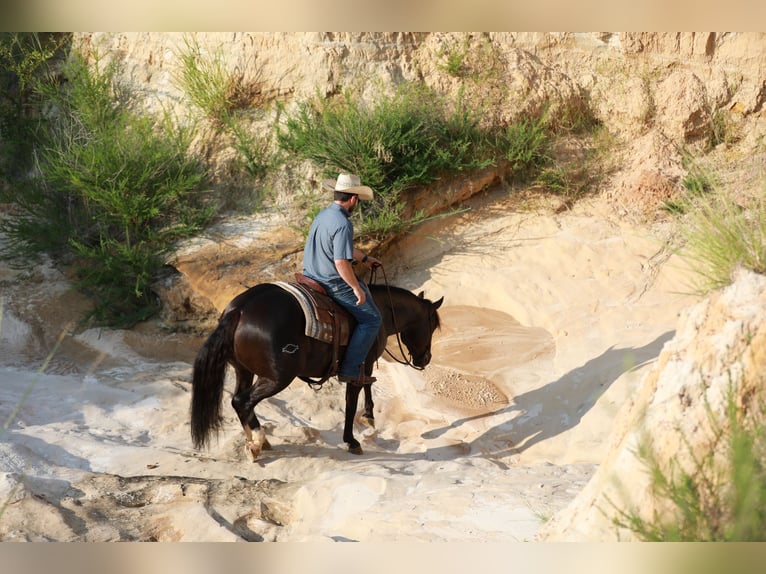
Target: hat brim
364,192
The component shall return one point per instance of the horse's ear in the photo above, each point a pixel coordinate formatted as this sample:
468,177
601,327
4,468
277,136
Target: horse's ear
437,304
421,294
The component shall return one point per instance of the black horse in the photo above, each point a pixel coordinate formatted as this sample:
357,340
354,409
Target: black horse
261,332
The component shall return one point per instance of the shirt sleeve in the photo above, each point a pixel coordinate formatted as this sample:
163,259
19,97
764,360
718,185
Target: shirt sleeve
343,243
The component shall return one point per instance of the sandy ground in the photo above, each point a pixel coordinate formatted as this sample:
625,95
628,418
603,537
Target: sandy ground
549,323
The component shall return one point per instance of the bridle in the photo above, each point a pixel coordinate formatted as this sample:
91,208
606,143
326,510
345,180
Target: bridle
406,361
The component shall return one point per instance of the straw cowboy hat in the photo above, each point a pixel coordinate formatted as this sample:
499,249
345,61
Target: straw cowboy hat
348,183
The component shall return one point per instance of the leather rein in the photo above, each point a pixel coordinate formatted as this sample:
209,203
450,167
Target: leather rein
406,361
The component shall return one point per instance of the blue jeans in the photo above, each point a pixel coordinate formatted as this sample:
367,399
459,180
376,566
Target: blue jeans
368,321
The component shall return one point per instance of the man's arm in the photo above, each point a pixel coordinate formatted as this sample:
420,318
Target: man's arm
346,271
365,259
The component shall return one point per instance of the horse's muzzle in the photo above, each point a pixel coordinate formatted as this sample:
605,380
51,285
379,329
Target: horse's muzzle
423,360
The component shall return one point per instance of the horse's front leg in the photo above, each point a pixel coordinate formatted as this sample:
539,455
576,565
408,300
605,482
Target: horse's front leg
352,398
368,416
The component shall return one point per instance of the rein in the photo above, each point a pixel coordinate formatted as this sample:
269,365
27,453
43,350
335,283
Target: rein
406,361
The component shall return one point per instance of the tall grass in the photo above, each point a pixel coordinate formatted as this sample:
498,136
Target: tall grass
526,145
713,501
112,190
400,140
710,502
230,101
409,138
26,59
720,235
207,82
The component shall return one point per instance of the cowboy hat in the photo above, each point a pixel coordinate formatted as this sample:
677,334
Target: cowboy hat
350,184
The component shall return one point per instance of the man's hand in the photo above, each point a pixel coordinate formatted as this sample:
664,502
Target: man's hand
373,262
361,296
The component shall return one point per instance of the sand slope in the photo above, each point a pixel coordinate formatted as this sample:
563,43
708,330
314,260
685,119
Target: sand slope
549,322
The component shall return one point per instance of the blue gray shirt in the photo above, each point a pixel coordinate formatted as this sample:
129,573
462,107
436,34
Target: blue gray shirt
331,237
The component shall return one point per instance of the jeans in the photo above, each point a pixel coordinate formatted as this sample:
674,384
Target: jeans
368,321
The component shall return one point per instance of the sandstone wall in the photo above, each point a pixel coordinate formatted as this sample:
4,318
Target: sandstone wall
719,345
731,66
657,92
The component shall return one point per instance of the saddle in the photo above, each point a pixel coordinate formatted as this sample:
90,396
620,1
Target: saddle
325,320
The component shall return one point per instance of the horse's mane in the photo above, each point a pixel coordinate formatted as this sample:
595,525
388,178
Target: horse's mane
383,287
394,289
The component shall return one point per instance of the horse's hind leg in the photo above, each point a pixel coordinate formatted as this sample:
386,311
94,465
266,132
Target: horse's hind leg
245,411
245,401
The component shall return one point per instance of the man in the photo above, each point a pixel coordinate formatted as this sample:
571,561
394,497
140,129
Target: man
329,257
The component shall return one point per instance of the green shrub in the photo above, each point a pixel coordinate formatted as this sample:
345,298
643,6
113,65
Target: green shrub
555,180
454,59
526,145
26,59
256,157
230,102
207,83
411,137
721,235
709,503
113,190
722,129
697,182
401,140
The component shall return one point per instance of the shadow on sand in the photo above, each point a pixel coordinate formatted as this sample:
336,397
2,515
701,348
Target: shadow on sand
554,408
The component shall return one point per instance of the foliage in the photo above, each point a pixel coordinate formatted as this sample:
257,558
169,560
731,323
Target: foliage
112,191
25,60
721,235
401,140
453,59
526,145
722,129
206,82
575,117
710,503
697,181
227,101
409,138
566,157
255,150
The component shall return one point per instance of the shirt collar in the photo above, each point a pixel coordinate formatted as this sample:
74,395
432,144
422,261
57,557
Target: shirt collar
340,208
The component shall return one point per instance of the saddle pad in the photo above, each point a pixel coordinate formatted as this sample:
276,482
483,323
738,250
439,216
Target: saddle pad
315,328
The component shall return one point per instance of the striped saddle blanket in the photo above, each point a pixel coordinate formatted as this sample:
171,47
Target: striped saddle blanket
325,320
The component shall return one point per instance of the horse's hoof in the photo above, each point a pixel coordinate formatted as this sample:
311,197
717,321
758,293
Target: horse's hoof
355,449
369,421
252,451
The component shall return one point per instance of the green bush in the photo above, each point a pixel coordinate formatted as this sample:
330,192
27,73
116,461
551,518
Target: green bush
709,503
526,145
112,191
206,82
411,137
697,181
230,103
720,235
401,140
26,59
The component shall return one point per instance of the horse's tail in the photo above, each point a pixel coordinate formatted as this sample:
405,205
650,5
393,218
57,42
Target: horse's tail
208,377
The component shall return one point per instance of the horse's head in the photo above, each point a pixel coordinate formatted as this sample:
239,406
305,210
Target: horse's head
417,336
